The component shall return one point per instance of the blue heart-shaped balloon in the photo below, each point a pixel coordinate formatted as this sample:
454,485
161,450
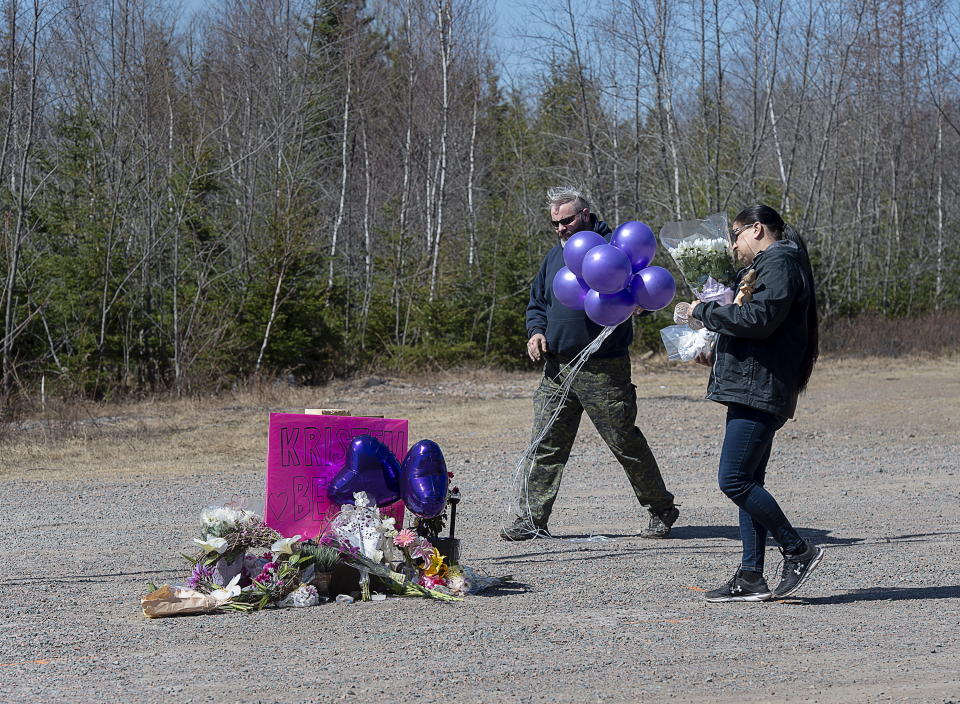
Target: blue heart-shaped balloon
369,466
423,479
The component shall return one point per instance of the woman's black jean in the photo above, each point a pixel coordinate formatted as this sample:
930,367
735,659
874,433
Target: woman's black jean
743,464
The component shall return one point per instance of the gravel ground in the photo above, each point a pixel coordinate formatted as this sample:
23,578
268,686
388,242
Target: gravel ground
869,470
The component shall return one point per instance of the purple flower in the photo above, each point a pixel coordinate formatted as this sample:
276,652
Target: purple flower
350,550
201,573
422,551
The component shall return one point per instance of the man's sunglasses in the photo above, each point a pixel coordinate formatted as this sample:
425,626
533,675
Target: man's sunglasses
565,221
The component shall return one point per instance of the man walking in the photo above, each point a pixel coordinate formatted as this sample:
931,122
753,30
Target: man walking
602,388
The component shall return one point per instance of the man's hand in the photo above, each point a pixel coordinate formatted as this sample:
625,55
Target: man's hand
536,347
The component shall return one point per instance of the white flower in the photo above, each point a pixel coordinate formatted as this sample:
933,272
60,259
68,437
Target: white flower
226,516
284,546
217,545
215,515
227,592
388,526
304,595
701,244
220,516
459,585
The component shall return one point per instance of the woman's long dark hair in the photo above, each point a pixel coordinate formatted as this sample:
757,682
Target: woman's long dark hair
775,226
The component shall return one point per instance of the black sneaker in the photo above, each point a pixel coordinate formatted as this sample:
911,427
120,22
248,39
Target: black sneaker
523,529
796,569
739,589
660,523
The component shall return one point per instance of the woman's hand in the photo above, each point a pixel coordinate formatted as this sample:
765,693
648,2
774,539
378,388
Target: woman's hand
685,311
704,358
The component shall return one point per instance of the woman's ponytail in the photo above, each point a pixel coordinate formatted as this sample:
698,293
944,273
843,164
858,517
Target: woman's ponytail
813,323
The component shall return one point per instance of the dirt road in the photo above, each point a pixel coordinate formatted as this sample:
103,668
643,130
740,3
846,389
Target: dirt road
94,509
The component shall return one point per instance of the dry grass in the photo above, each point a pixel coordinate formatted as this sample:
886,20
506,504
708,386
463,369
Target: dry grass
931,335
69,425
153,436
226,432
165,435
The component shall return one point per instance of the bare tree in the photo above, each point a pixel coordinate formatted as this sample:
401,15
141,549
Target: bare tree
22,65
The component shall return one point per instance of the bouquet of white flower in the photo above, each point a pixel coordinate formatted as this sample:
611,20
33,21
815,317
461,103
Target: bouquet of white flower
702,253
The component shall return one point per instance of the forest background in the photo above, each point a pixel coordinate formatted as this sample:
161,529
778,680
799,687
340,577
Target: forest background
302,189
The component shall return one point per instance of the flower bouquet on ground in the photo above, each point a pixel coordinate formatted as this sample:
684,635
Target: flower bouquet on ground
226,534
423,571
367,542
269,570
283,581
244,565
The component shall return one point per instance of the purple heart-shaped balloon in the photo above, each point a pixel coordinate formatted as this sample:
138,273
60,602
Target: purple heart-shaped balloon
368,466
424,480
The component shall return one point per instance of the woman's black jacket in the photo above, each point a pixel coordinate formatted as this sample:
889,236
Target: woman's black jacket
760,355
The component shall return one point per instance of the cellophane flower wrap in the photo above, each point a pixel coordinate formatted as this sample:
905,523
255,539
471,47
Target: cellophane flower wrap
701,250
685,344
361,529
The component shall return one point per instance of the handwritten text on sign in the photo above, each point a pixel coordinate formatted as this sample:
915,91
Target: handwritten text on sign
304,453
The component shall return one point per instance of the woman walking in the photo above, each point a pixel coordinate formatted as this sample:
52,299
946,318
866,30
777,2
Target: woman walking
765,351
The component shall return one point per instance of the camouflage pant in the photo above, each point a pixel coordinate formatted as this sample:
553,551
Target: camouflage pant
603,389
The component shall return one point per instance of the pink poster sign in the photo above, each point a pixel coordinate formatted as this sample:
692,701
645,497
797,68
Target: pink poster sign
304,453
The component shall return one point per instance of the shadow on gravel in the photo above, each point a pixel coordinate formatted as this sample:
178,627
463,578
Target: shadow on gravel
81,578
593,538
913,538
884,594
570,546
818,536
559,549
506,589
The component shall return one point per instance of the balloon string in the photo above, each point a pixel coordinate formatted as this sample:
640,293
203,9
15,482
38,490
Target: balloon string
520,506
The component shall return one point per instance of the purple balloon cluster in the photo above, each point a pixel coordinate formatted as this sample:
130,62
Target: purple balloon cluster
609,281
421,480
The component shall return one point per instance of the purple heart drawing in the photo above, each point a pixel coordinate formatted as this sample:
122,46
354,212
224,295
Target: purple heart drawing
278,503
